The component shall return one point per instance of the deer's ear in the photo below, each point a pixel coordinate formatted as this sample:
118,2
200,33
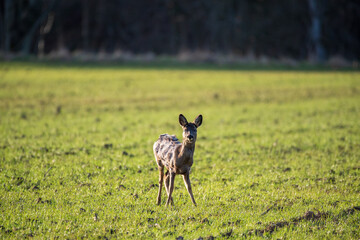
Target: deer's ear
198,120
182,120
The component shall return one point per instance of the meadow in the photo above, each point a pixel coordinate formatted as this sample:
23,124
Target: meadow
277,155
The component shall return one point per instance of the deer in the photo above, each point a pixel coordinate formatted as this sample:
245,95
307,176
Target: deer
177,157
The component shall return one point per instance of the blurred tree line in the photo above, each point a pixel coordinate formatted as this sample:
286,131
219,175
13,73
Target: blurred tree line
274,28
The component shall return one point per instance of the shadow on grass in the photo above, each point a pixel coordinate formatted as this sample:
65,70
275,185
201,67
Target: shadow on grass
308,216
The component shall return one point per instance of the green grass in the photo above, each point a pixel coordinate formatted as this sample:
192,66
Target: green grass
76,155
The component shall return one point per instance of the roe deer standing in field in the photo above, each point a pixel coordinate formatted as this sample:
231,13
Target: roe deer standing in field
176,157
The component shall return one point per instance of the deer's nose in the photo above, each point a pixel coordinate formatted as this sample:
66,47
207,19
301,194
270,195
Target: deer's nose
191,137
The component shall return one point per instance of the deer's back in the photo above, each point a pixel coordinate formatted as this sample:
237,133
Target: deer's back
164,148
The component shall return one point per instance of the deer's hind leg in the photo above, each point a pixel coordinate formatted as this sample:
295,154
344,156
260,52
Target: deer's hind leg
161,179
171,186
167,185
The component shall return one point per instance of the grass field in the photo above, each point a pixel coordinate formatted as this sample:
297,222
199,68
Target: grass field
277,156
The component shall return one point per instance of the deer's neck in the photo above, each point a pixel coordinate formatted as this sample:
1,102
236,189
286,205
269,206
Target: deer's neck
187,149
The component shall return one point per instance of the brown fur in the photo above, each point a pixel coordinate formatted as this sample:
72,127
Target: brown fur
176,157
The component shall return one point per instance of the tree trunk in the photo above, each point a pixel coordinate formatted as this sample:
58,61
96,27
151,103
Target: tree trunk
315,30
8,21
44,29
99,27
2,35
27,42
85,25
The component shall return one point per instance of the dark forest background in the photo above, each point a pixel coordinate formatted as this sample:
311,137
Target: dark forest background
296,29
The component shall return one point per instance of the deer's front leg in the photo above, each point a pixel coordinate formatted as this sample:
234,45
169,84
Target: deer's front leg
186,178
171,188
161,179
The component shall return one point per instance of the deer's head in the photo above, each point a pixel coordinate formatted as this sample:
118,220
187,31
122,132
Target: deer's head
190,129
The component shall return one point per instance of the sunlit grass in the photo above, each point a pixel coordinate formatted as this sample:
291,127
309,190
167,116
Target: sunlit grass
76,151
